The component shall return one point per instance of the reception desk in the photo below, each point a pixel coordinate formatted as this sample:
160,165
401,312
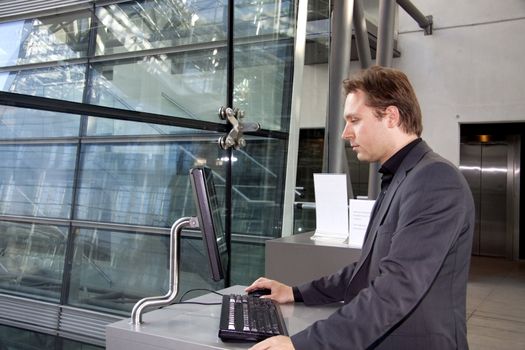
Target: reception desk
189,326
297,259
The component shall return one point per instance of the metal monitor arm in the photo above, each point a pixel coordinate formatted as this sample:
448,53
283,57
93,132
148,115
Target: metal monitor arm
167,299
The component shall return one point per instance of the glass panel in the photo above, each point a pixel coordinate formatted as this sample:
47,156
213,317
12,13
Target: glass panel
190,85
45,39
264,17
247,261
257,191
142,183
29,123
263,82
37,180
62,82
143,25
309,162
32,259
12,338
112,270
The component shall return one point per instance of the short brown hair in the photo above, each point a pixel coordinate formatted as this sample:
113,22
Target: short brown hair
385,87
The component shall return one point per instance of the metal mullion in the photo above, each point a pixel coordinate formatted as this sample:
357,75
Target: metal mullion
43,12
47,64
34,220
41,141
229,102
62,106
148,139
119,227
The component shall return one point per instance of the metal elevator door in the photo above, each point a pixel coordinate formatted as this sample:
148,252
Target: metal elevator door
487,166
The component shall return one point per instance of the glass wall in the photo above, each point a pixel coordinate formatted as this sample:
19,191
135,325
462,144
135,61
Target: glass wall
86,199
16,338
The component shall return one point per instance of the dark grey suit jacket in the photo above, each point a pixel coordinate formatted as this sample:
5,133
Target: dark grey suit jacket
408,289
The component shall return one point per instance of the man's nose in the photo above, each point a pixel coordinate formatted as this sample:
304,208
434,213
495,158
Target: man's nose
348,133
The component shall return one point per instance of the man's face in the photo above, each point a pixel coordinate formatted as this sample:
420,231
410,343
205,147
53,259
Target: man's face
366,133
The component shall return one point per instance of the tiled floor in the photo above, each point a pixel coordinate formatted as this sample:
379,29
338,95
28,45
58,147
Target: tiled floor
496,304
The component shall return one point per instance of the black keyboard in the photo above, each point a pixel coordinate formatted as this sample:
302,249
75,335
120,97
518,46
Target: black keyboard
250,318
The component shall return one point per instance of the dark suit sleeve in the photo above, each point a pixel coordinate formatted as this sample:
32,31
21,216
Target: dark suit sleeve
329,289
426,217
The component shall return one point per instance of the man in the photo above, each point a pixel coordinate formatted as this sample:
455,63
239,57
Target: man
408,289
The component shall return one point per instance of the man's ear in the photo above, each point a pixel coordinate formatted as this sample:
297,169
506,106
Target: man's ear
392,116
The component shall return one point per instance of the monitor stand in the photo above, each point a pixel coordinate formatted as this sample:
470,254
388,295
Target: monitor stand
167,299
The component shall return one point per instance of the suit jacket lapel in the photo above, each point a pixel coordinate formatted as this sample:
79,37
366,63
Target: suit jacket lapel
408,163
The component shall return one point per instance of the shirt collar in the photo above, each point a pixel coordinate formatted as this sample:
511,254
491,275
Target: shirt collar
392,164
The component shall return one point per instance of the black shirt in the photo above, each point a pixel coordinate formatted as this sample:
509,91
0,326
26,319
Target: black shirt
387,170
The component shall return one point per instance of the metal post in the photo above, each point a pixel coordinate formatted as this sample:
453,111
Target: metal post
335,160
361,35
229,171
385,51
295,115
424,22
385,33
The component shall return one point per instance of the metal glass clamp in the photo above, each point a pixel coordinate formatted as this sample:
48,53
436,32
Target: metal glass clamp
235,137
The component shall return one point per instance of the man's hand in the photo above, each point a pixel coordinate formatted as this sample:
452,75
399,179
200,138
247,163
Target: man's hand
278,342
281,293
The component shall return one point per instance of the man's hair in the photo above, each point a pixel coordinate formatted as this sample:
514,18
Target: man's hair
385,87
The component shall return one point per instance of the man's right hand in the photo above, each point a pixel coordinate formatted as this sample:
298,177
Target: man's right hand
281,293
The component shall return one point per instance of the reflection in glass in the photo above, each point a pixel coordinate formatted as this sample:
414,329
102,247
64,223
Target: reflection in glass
264,17
263,82
141,184
60,82
190,85
257,188
45,39
32,259
247,262
112,270
150,24
30,123
12,338
37,180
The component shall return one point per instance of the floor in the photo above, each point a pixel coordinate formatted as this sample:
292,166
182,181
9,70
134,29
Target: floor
496,304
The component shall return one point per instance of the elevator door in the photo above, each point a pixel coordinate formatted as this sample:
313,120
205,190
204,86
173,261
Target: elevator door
485,166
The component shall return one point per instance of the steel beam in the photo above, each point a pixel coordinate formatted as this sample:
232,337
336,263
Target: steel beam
361,35
425,22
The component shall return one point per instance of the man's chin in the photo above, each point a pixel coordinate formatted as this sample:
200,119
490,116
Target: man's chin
362,157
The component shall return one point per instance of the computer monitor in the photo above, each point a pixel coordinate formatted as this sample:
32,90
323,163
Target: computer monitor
210,223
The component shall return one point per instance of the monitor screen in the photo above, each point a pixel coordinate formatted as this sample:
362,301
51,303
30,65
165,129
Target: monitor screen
210,222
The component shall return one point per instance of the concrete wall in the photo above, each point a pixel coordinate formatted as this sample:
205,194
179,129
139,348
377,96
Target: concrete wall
469,71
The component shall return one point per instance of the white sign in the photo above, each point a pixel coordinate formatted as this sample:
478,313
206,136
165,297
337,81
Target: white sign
331,208
360,210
